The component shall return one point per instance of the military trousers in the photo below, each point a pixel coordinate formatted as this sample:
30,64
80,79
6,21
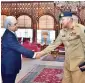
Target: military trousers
73,76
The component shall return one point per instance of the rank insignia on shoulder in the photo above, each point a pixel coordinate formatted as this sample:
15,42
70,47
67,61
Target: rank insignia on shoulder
73,32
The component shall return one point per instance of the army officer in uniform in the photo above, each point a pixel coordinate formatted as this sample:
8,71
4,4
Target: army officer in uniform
72,35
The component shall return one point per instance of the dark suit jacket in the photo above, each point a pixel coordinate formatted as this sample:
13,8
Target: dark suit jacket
11,51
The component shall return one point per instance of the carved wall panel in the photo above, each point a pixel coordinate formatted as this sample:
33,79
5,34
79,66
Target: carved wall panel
36,9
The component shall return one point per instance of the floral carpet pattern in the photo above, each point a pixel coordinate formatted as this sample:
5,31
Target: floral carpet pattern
44,74
49,75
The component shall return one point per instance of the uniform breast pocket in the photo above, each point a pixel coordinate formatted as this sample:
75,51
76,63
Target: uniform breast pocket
63,38
74,41
65,41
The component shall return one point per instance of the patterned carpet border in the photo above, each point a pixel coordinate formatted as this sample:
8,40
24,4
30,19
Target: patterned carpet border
59,58
30,76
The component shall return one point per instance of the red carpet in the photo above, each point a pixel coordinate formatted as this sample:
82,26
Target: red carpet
43,74
49,75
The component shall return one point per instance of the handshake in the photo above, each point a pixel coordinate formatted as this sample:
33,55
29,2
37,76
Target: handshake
37,55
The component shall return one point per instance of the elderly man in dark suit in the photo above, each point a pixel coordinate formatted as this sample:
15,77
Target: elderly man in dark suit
11,51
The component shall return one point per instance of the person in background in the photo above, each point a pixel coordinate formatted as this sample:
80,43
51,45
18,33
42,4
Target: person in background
72,35
11,51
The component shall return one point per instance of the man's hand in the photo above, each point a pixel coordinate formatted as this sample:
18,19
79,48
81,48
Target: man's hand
38,55
82,67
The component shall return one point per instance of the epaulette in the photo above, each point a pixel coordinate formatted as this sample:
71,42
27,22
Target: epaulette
79,25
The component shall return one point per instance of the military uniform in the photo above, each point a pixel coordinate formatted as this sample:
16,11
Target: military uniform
74,42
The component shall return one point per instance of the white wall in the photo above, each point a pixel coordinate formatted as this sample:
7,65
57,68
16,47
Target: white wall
28,33
2,30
